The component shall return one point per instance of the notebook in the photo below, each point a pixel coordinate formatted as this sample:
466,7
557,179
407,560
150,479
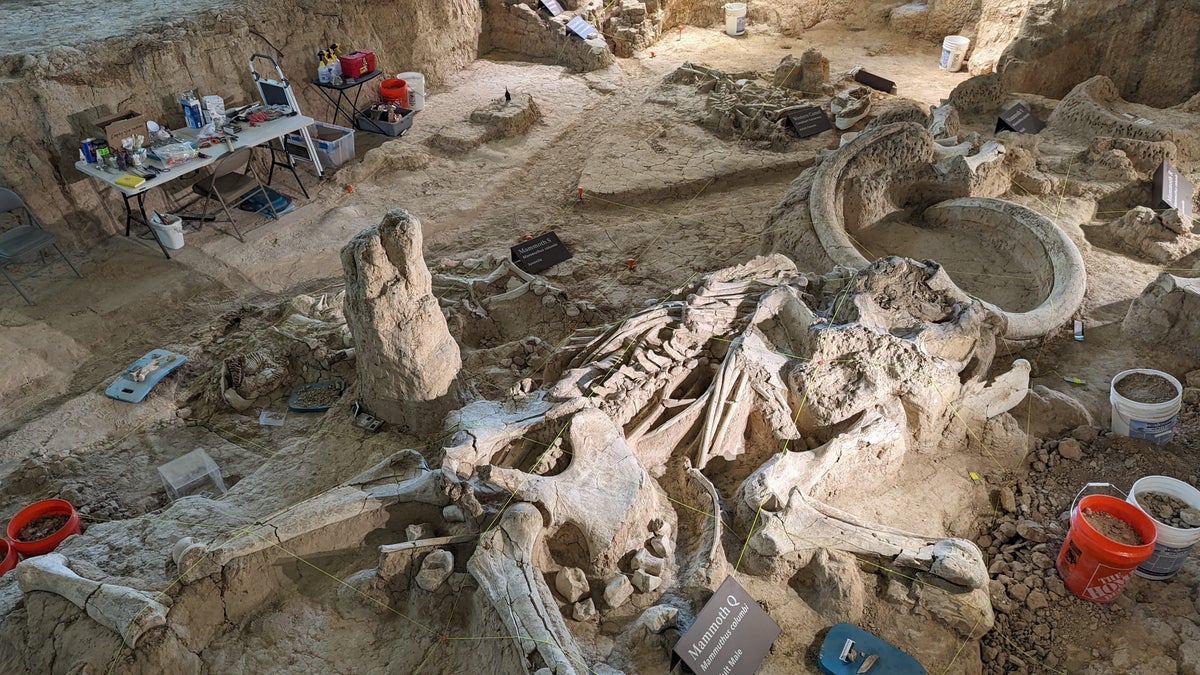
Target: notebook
130,181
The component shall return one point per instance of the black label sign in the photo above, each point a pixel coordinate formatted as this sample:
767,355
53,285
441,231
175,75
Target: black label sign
551,6
874,81
1172,190
540,253
581,27
731,635
1019,119
809,121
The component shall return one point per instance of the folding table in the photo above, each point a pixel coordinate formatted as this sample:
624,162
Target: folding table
342,98
250,136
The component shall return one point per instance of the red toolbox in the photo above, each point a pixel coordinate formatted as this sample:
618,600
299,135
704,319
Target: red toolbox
357,63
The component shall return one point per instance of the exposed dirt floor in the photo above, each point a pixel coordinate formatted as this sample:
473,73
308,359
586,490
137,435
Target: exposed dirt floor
60,436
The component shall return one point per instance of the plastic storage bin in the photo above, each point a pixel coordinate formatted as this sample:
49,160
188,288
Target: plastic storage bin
365,123
193,474
335,145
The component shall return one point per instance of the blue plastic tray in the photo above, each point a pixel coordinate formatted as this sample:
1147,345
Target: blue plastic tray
890,659
125,388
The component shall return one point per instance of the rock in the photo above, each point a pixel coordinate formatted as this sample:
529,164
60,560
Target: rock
807,73
1070,449
453,513
1008,500
1036,600
1189,657
1160,315
967,614
1032,531
1192,379
617,590
460,580
1190,517
840,590
896,592
365,588
1051,412
1046,56
1018,592
659,618
1055,586
419,531
1163,238
435,569
584,610
645,582
645,560
1176,222
406,359
661,546
1006,530
1041,560
978,94
571,583
1000,600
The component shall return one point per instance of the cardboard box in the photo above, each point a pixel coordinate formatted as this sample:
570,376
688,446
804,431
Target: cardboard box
122,125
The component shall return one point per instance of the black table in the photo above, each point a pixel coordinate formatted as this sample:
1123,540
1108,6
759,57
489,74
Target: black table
342,103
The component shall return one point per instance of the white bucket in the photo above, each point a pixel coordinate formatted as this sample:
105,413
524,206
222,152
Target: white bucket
416,89
169,230
735,18
1154,422
954,50
1174,544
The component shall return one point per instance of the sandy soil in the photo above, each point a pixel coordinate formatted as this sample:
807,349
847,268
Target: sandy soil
35,25
68,347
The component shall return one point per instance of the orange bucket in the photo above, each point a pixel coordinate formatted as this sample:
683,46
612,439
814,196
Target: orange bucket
1094,567
394,90
46,507
8,557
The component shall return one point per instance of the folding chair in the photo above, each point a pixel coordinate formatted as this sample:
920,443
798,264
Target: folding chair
233,180
23,240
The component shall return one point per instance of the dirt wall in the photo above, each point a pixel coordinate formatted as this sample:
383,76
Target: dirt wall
53,98
1148,48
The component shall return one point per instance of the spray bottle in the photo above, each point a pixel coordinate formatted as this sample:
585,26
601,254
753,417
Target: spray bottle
335,50
324,71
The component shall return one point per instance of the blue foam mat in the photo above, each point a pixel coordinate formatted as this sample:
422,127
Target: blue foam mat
125,388
890,660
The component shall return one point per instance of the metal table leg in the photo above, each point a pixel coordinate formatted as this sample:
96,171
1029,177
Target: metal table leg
145,220
290,164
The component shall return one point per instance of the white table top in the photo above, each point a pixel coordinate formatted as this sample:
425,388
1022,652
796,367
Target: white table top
249,137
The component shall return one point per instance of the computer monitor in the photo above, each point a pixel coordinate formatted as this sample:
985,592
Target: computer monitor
273,93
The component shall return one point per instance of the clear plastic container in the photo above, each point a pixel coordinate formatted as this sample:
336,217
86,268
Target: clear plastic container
194,474
334,144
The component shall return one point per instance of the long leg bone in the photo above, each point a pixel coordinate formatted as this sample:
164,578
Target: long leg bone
503,566
128,611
